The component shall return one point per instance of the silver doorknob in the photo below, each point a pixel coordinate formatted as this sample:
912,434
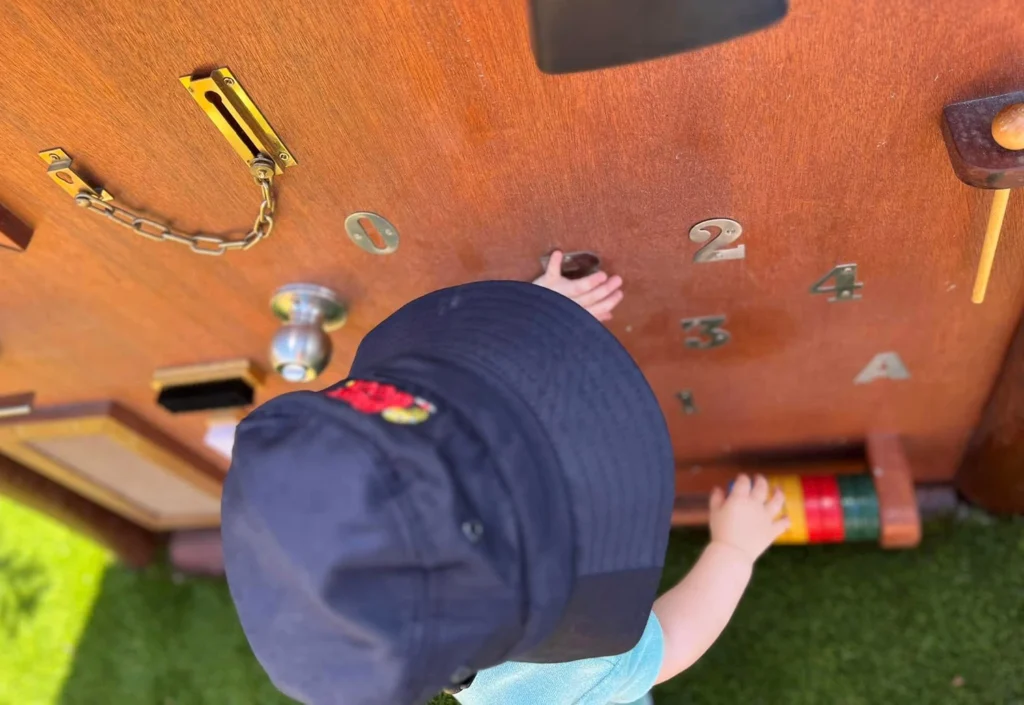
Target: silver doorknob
301,349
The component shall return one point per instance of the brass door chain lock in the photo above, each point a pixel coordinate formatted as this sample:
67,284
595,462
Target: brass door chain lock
233,112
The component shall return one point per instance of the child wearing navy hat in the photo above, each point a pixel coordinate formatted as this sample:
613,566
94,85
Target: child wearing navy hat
482,506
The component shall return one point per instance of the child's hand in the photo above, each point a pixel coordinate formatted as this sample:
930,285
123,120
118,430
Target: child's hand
746,519
595,292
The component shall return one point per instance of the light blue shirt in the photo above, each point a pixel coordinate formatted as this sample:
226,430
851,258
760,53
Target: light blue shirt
597,681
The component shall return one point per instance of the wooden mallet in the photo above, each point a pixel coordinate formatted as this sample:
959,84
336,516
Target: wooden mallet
1008,133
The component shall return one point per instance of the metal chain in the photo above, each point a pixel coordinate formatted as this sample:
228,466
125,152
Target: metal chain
262,170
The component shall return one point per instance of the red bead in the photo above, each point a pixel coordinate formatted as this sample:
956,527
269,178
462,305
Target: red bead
831,510
812,508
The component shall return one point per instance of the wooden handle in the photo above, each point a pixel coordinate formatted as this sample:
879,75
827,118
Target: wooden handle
894,483
1000,198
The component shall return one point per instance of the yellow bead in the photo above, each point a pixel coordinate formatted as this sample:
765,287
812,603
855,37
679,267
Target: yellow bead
1008,127
794,493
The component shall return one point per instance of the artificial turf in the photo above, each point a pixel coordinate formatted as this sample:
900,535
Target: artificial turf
824,625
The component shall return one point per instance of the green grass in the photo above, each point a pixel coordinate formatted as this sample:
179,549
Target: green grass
825,625
854,625
49,578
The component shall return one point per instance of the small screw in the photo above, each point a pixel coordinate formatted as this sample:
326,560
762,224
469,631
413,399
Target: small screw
283,156
473,530
229,81
844,294
54,157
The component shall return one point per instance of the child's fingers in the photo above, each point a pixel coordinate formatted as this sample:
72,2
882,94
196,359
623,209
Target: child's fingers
603,307
577,287
605,317
599,293
717,499
776,503
740,486
554,264
780,526
760,489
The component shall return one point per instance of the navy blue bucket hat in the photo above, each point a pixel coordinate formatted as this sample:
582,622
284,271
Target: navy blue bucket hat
493,482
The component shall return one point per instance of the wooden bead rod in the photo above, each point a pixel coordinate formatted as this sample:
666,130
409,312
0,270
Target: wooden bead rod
1000,197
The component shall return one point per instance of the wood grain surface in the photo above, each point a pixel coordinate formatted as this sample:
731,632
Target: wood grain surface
821,136
992,474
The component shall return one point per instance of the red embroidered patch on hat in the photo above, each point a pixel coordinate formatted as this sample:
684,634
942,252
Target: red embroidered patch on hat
391,403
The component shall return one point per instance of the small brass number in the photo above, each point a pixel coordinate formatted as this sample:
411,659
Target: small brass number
685,398
846,284
729,231
709,332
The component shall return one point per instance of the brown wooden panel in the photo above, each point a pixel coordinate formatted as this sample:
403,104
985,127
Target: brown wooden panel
992,474
821,136
104,453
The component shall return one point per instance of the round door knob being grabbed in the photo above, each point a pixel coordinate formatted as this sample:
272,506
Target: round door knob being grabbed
301,350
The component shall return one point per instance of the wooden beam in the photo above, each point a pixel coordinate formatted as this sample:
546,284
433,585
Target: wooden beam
992,473
134,545
197,552
14,234
894,483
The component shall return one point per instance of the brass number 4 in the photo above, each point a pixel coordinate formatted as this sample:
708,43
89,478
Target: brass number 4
846,284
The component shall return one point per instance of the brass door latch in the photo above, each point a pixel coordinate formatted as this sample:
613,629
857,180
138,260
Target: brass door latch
227,104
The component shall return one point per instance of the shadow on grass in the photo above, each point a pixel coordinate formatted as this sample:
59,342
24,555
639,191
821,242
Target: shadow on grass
23,583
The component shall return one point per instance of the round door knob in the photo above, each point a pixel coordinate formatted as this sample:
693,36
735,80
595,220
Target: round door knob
301,349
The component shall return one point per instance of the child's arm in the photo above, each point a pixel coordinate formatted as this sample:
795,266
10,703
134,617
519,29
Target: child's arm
694,612
597,292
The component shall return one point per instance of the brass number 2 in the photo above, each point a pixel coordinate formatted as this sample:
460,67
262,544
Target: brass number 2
709,330
715,250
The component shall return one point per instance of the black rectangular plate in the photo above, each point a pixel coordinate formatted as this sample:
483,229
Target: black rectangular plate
223,394
582,35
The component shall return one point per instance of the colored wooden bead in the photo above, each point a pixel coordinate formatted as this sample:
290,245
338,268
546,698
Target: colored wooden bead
794,509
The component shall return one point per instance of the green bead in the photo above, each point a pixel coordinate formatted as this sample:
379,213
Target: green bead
859,502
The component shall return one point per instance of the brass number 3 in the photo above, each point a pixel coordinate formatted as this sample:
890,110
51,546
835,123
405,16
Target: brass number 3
709,330
729,231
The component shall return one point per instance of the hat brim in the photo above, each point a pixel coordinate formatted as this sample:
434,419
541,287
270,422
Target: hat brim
604,424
